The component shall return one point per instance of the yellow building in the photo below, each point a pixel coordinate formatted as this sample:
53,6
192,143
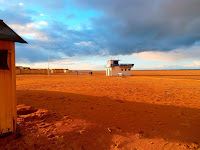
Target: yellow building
8,113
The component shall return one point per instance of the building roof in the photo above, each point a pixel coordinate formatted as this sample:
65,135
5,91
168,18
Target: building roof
126,65
7,34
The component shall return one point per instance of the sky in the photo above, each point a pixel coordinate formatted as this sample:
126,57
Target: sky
84,34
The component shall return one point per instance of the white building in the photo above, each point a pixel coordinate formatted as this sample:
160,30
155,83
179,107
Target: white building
113,68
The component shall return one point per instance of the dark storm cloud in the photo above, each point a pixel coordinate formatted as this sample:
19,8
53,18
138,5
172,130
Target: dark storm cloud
133,25
60,40
141,25
64,39
30,53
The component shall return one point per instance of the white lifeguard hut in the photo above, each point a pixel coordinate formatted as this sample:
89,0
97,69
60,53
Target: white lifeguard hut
113,68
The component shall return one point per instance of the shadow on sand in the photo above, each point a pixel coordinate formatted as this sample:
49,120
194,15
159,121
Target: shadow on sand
124,118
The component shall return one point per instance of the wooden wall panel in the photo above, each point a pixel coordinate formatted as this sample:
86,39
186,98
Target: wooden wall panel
8,113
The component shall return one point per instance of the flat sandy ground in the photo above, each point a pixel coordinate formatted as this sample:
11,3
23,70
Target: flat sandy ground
150,110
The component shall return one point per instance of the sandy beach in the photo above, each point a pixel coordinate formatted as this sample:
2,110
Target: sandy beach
150,110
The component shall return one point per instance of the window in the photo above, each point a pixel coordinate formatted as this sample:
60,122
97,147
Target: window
3,60
115,62
129,69
121,69
125,69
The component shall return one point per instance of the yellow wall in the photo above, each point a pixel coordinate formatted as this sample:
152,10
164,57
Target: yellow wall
33,71
25,71
66,71
18,71
53,71
44,71
8,113
58,70
39,71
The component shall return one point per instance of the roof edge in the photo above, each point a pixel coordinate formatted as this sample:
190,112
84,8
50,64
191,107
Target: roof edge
21,40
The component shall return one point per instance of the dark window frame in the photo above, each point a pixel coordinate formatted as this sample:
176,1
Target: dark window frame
4,60
115,62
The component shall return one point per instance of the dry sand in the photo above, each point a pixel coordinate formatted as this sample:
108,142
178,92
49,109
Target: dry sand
151,110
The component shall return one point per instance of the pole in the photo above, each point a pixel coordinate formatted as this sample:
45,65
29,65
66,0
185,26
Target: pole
118,52
48,62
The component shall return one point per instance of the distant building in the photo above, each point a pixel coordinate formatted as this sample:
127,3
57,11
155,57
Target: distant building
113,68
66,70
21,67
26,68
8,103
18,67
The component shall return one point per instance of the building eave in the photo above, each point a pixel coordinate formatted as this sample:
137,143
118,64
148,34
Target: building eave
7,34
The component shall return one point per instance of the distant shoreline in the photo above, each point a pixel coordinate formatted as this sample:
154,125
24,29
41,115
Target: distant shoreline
143,70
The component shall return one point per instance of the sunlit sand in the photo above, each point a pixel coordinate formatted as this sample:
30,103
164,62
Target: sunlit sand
148,110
